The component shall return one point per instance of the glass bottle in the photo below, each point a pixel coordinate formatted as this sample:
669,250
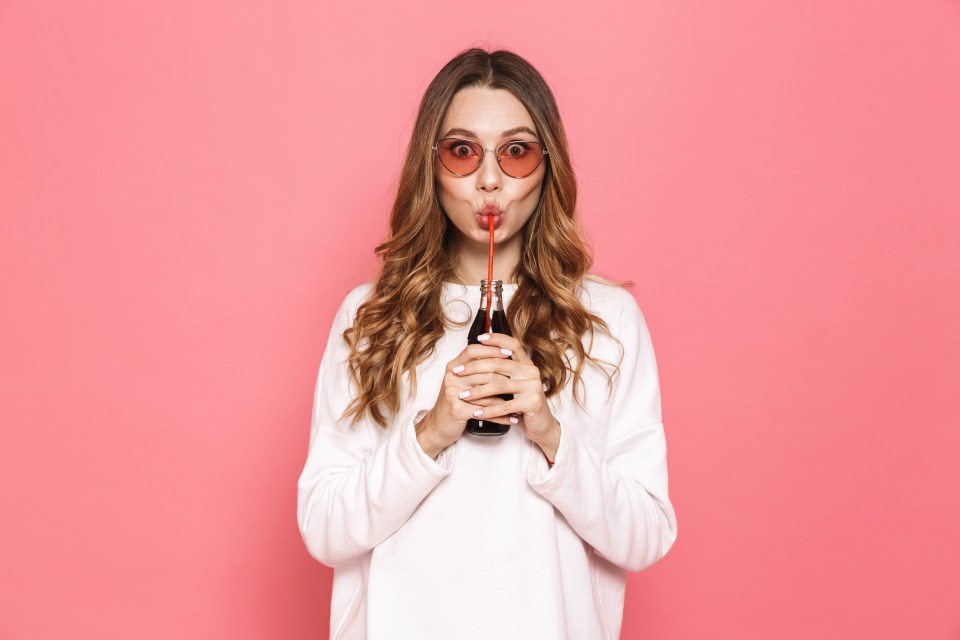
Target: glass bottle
498,324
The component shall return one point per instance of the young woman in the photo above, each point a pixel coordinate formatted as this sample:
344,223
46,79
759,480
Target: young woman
434,533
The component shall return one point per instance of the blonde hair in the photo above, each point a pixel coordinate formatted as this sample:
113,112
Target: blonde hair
398,325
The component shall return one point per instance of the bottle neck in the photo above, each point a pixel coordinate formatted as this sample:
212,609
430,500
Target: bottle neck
497,297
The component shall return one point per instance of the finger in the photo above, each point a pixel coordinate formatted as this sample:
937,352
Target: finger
466,380
454,394
475,351
510,368
527,390
478,396
484,402
496,388
500,409
508,342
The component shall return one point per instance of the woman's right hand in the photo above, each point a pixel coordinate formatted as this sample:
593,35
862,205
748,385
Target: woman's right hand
444,423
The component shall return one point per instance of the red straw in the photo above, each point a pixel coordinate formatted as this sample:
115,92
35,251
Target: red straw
490,274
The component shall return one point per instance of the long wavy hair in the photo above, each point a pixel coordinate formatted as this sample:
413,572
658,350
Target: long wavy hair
399,323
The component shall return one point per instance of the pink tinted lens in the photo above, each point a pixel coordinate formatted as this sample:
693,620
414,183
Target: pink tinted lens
459,156
520,157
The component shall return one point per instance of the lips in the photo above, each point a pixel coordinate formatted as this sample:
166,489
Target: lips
488,213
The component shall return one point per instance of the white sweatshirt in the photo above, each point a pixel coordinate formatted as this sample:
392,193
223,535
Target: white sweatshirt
488,541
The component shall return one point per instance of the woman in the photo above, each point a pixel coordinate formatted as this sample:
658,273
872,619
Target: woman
434,533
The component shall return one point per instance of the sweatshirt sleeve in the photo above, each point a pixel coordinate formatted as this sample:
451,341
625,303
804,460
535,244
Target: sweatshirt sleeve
359,484
616,501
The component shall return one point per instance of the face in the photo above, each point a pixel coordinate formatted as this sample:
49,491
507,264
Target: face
484,115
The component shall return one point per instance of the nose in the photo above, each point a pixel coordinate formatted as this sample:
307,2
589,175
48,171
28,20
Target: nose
489,175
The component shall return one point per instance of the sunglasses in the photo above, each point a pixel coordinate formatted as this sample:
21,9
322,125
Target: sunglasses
517,158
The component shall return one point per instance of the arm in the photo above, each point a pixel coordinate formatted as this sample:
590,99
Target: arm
359,484
618,501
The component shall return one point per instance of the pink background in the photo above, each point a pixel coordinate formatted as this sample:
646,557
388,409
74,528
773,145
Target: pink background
189,189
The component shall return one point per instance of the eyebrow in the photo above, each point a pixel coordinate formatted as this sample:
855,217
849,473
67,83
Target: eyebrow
508,132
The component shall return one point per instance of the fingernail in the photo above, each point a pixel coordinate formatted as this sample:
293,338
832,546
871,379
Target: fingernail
458,368
506,352
484,337
514,420
464,394
478,413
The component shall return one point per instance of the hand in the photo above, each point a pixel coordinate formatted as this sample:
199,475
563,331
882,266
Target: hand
488,377
444,423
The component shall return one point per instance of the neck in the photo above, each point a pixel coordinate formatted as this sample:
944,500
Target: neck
471,259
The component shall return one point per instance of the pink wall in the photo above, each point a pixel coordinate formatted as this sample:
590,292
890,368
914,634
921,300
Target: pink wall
187,190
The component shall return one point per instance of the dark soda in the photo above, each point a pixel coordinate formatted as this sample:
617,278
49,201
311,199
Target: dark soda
498,324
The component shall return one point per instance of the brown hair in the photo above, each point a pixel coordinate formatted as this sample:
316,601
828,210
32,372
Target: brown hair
398,325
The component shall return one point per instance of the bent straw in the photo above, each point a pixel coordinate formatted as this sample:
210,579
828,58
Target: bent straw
490,274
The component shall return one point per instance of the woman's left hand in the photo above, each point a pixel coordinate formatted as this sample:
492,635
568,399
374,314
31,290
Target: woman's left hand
490,377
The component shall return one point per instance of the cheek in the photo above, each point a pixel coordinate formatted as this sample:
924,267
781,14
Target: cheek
531,191
451,189
442,186
448,195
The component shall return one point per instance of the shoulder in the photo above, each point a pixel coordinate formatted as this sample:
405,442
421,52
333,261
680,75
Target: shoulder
358,294
351,302
615,304
606,298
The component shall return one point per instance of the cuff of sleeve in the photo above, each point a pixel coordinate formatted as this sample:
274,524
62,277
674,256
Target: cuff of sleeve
440,466
540,475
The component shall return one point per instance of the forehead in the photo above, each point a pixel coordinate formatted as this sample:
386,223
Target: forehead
485,111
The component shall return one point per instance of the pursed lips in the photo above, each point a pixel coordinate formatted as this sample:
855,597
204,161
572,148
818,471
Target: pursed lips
489,214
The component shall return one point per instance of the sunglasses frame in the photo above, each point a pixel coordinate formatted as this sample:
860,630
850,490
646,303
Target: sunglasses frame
483,155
